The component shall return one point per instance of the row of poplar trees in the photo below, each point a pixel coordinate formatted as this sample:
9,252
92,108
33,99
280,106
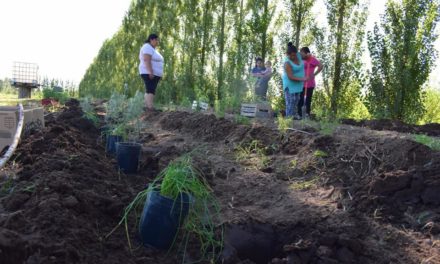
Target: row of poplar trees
210,46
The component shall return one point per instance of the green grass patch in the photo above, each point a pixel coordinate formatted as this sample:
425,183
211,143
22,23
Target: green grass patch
11,99
431,142
320,154
327,128
293,164
284,123
243,120
8,96
304,185
253,154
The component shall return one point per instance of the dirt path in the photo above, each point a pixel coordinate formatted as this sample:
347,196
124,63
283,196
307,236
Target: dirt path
353,197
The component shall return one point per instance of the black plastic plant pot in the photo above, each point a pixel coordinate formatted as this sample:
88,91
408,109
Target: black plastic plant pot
161,219
127,155
110,145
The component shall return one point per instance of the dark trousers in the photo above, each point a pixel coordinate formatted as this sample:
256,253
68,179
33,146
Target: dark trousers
308,101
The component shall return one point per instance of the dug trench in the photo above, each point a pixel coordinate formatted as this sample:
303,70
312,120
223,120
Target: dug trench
357,196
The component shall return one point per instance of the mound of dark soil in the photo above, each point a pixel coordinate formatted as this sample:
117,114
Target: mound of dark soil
386,172
210,128
66,198
394,125
375,181
389,178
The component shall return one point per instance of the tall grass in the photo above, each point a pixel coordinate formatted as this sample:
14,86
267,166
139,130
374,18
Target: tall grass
179,177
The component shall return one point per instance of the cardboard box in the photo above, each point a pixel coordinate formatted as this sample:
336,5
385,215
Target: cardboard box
33,119
200,106
8,124
263,110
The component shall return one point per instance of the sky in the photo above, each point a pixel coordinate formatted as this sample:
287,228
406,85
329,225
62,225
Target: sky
63,36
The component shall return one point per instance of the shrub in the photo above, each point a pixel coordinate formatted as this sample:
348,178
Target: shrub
49,93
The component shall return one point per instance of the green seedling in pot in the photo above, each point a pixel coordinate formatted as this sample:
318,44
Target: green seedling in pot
120,130
181,177
89,111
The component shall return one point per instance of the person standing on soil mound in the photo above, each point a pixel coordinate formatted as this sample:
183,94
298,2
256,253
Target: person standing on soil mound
256,72
263,83
150,68
310,64
293,80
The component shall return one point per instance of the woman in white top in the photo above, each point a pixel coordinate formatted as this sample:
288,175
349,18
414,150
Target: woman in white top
150,68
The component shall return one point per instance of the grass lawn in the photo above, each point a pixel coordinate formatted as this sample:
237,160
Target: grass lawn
12,99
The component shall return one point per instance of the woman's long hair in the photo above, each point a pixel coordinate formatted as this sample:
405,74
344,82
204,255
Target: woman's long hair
291,48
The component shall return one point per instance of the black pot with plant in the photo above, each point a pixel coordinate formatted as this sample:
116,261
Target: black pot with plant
177,205
127,156
115,128
128,150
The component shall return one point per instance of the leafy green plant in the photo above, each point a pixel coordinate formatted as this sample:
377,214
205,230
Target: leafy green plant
115,108
89,111
320,154
431,142
219,108
123,115
402,55
179,177
430,102
253,153
120,130
49,93
293,164
284,123
134,107
132,115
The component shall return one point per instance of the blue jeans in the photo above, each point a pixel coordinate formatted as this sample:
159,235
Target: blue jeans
292,100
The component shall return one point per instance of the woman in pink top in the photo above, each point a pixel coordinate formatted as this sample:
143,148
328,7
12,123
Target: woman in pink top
312,67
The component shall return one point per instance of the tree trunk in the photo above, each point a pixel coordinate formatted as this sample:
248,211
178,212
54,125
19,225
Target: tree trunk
264,35
338,60
299,18
204,46
239,58
222,50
